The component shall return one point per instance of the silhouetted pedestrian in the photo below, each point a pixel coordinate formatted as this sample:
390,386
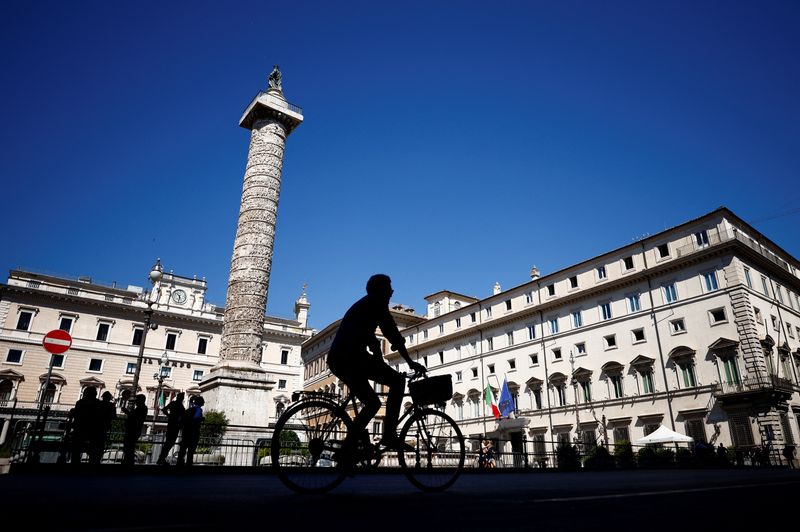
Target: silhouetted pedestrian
85,426
133,428
788,453
108,413
722,455
174,411
486,458
190,431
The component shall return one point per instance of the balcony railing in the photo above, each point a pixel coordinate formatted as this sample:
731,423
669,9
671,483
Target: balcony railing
718,237
755,384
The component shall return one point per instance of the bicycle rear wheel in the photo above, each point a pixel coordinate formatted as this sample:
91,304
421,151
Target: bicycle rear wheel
439,450
304,442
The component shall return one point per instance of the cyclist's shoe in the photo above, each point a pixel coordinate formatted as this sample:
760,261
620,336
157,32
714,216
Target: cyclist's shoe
395,444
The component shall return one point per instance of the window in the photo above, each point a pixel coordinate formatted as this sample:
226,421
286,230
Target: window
410,338
284,356
458,376
441,357
534,359
717,315
663,251
458,322
779,292
628,262
24,320
670,293
473,317
634,303
531,332
197,375
425,334
510,338
610,341
166,372
616,385
687,372
789,330
701,237
66,323
488,312
137,336
103,329
586,387
96,364
747,278
577,319
553,325
529,298
647,381
757,313
508,304
677,326
490,367
512,364
437,309
57,361
731,371
695,429
573,282
441,328
458,352
14,356
601,273
551,290
765,286
605,310
561,395
621,434
710,279
638,335
474,373
202,346
130,369
281,384
774,322
171,338
537,400
580,347
490,344
557,353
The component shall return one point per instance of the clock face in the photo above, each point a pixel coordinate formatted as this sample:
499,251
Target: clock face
179,297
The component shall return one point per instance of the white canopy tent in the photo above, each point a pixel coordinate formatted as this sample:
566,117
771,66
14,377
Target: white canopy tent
663,435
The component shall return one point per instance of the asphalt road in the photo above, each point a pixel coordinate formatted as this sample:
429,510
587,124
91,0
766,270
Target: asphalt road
150,499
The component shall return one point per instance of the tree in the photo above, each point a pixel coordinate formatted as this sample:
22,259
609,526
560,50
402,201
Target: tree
213,429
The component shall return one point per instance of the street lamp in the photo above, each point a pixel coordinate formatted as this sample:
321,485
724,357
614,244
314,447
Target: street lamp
156,273
575,391
160,375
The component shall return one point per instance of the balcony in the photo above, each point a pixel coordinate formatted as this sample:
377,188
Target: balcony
756,390
716,238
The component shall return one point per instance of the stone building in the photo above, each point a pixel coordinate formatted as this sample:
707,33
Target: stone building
105,323
696,328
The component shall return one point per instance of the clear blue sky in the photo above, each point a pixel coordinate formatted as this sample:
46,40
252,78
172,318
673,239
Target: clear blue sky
450,147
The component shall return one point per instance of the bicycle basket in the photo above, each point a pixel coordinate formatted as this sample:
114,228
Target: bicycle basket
432,390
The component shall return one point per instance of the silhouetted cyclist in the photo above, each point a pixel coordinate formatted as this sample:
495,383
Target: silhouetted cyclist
350,360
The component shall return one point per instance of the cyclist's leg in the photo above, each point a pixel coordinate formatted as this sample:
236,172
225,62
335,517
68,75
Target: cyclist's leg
381,372
360,387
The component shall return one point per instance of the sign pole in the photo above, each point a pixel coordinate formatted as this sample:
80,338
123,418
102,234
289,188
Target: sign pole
55,342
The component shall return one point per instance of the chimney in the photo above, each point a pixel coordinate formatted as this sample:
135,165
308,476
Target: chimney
496,289
534,273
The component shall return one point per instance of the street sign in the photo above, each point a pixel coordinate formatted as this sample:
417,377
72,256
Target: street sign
56,342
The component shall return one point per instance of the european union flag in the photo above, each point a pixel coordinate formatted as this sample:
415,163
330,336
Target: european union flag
506,401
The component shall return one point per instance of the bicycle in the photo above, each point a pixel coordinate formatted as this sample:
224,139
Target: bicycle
308,435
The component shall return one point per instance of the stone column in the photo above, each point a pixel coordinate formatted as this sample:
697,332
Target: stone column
238,385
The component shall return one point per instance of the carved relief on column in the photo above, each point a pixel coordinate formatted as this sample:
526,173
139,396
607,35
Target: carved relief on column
252,250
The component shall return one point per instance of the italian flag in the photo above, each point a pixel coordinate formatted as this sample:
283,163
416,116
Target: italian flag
488,396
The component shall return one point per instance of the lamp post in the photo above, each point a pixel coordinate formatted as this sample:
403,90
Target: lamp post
156,273
159,376
575,391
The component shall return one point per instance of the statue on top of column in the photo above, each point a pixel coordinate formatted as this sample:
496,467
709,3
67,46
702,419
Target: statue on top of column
274,79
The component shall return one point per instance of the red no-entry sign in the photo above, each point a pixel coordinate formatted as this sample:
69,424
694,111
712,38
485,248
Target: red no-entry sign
56,342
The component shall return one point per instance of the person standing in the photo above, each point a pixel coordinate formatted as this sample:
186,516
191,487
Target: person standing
174,411
133,428
108,413
85,426
788,453
190,427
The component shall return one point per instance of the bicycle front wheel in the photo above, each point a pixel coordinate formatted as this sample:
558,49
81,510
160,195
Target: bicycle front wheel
304,442
439,450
